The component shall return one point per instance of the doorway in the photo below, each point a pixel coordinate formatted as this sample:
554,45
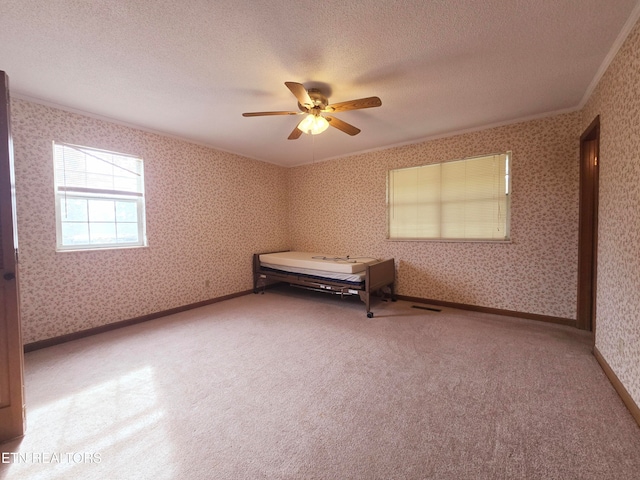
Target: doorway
588,226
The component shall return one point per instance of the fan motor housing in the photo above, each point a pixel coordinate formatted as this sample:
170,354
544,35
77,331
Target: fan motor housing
319,100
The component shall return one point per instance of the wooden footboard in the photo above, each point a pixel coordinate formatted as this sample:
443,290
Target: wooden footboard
379,277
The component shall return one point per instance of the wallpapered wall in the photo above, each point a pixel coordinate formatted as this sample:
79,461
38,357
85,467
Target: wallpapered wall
207,212
617,101
338,207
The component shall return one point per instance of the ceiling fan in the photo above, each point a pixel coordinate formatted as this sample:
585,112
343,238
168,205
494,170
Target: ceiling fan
314,104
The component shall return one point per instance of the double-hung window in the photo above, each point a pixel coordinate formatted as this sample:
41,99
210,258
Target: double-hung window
99,199
458,200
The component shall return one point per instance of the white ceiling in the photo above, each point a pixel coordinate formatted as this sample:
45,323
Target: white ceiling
190,68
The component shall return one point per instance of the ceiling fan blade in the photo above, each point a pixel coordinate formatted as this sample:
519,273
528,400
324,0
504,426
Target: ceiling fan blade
354,104
300,93
340,125
295,134
260,114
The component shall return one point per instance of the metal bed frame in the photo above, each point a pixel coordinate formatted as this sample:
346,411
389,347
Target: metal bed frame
379,279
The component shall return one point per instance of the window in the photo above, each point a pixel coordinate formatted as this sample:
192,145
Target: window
99,199
458,200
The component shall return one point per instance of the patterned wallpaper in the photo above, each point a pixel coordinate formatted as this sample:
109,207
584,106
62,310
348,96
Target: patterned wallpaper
338,207
207,213
617,101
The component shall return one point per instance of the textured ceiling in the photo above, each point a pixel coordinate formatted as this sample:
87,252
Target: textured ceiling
191,68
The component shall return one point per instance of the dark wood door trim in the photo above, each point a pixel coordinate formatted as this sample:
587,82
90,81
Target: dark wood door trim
588,226
11,356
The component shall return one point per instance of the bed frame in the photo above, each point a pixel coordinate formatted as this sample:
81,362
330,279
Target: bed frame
379,279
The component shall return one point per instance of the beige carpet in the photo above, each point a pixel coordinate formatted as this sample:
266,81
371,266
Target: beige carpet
300,385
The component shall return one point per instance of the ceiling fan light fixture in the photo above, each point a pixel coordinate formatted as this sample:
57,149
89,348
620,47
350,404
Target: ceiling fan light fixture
313,103
313,124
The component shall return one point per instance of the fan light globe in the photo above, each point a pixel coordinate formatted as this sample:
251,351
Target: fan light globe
314,124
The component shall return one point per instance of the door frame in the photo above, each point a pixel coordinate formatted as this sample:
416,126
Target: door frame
12,409
588,227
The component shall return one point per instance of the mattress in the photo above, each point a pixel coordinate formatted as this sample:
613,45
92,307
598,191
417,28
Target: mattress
315,262
312,274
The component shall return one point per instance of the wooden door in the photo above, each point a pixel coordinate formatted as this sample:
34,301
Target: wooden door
11,350
588,228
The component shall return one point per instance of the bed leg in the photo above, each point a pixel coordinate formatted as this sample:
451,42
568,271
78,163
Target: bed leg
257,283
366,298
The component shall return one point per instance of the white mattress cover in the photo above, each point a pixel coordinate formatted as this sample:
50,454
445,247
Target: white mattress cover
316,261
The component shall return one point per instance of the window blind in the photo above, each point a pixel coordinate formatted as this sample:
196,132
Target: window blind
85,170
463,199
